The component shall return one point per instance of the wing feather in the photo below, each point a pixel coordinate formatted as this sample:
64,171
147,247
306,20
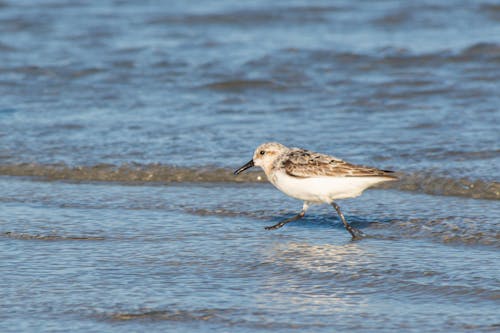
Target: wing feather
302,163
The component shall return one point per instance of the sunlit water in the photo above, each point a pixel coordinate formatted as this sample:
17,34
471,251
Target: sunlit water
191,257
120,123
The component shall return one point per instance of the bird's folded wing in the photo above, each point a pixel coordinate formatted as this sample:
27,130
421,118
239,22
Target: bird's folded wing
306,164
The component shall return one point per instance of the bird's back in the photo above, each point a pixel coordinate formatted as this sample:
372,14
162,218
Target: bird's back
303,163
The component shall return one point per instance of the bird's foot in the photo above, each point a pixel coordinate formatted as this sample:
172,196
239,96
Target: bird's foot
355,233
276,226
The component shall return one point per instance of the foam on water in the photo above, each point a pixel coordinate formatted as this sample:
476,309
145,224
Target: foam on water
425,182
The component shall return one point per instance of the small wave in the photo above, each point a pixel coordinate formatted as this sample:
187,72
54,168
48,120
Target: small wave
54,71
80,73
142,173
491,10
431,184
231,317
446,230
402,57
238,85
450,229
5,47
158,173
168,315
252,17
25,236
480,51
225,212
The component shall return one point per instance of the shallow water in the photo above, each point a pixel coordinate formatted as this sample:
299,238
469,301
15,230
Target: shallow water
121,123
191,257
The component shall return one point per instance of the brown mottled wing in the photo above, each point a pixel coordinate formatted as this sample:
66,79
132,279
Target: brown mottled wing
304,164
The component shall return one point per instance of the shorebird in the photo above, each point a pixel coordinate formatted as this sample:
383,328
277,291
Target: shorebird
314,178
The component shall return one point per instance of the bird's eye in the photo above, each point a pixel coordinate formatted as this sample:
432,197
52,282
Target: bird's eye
262,152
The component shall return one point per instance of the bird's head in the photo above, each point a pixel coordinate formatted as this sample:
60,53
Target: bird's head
264,156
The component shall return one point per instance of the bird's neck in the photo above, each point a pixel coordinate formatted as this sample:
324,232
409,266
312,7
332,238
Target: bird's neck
270,169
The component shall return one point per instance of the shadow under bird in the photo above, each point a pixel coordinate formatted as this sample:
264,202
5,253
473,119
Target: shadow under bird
314,178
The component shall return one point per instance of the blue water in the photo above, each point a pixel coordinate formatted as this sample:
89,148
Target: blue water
120,123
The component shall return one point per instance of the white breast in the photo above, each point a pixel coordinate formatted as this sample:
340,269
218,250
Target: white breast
323,189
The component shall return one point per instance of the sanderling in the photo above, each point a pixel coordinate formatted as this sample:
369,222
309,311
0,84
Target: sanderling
314,178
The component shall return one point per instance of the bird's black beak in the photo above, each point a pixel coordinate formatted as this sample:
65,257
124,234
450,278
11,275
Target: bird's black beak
243,168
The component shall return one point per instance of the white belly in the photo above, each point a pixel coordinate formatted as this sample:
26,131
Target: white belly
323,189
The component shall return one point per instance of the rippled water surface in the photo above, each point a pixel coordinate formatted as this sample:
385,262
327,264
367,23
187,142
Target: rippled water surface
120,124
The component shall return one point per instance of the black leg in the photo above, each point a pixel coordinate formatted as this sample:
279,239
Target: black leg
282,223
355,233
